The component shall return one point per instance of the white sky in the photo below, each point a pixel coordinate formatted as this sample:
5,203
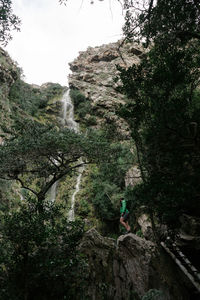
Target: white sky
52,34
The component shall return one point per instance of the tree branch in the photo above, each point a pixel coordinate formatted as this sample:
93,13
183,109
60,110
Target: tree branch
25,187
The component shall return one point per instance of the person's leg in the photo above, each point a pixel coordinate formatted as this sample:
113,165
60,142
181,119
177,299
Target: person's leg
123,223
128,226
125,219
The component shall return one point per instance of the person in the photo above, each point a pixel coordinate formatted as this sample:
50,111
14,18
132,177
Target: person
124,215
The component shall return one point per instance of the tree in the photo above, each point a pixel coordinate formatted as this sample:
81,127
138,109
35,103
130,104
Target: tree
8,21
39,257
107,184
178,20
163,105
38,155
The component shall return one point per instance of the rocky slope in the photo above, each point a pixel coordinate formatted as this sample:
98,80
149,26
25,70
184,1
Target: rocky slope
93,73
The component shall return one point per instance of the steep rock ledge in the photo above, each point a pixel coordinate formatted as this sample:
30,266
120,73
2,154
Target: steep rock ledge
93,73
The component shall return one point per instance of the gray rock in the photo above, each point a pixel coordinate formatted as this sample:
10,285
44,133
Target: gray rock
93,73
128,268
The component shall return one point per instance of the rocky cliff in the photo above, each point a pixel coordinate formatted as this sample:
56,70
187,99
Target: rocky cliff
132,267
8,75
93,73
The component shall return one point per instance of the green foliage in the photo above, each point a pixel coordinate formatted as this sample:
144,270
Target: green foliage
38,254
178,21
30,99
38,155
77,97
82,105
8,21
91,121
51,90
163,108
102,193
107,182
153,294
83,208
9,195
139,233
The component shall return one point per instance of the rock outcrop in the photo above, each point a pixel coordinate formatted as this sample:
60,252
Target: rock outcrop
128,268
8,75
93,73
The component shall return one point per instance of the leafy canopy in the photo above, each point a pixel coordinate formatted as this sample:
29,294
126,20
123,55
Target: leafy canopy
38,155
39,258
8,21
163,104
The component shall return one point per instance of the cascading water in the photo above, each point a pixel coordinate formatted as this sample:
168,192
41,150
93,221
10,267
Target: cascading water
68,121
53,193
77,188
68,113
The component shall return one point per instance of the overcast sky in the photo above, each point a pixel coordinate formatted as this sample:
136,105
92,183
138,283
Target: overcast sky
52,34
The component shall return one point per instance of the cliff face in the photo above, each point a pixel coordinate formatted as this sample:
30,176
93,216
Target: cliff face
8,75
93,73
8,70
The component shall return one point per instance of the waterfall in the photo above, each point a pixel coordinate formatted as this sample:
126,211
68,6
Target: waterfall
68,121
77,188
53,193
68,113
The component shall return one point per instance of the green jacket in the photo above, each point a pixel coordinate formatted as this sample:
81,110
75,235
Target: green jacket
123,208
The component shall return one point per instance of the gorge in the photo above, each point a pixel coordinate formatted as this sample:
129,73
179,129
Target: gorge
116,266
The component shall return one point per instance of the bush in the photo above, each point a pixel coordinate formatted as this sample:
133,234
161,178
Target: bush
152,294
82,105
31,99
38,255
83,208
77,97
92,120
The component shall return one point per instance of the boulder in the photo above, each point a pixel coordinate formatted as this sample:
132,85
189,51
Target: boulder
128,268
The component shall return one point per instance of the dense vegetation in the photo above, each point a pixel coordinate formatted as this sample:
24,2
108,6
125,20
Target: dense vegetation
37,243
38,254
36,239
83,108
163,106
31,99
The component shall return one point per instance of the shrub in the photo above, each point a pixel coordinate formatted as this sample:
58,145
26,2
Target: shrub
82,105
38,255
